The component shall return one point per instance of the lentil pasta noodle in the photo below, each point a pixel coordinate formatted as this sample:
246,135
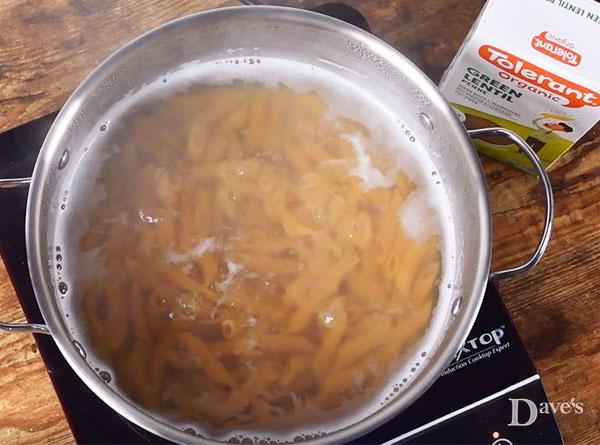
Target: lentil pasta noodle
253,273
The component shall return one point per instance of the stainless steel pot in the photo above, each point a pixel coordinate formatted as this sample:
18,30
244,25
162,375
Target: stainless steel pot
314,39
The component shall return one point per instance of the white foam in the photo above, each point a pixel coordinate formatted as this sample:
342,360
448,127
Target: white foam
206,245
232,270
369,175
148,218
418,217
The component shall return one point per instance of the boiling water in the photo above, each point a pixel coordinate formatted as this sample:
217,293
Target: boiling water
419,215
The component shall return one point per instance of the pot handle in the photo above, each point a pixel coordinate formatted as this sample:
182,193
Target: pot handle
34,328
12,183
20,327
537,164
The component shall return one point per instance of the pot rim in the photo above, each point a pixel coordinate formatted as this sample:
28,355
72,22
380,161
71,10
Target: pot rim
37,253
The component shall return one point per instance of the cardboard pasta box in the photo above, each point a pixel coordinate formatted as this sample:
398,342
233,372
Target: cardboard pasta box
531,66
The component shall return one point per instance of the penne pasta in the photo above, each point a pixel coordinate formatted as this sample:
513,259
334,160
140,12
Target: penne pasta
186,230
353,349
285,344
424,282
363,286
298,366
234,121
229,328
319,292
138,378
209,264
290,223
254,271
267,264
116,316
408,264
137,315
334,321
255,131
164,232
201,355
203,205
341,383
275,119
295,156
95,322
196,142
